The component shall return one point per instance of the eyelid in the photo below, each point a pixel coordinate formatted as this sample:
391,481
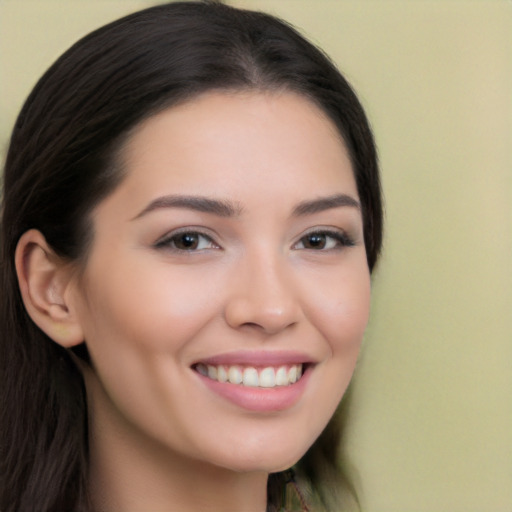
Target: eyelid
338,234
164,241
342,238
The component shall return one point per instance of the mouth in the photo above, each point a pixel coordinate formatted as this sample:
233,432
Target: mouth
253,376
257,381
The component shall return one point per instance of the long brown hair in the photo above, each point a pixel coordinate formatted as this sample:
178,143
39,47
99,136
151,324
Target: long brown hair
62,161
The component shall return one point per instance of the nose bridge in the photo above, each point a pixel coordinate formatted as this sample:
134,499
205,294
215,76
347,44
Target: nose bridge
264,295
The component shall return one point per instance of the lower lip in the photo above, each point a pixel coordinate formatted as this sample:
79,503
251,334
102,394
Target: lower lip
259,399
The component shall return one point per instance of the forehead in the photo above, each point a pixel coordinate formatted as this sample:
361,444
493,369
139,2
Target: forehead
225,143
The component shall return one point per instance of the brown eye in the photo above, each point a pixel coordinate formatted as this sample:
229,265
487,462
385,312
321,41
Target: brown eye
188,241
324,241
315,241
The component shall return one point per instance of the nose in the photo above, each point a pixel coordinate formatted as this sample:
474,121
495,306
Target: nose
263,296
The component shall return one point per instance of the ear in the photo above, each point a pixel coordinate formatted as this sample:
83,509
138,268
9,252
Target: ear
46,284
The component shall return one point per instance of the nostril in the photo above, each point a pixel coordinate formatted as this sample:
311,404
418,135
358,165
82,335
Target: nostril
252,325
266,327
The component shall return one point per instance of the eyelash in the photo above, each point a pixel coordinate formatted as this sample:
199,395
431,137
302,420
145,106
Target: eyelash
340,238
169,241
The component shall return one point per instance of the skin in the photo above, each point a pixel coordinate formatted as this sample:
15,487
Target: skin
160,439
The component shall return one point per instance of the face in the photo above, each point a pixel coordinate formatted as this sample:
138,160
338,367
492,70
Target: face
226,292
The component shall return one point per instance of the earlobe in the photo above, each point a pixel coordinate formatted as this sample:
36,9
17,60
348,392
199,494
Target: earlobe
45,282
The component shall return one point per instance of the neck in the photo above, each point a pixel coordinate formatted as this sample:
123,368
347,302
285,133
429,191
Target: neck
130,472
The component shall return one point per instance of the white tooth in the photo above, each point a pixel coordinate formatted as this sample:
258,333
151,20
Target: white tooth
250,377
292,374
281,376
268,378
299,371
234,375
212,372
201,368
222,375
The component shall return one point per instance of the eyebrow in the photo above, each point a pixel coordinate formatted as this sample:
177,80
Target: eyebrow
218,207
223,208
325,203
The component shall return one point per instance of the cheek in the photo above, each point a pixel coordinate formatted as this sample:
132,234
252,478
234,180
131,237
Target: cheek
137,326
339,306
157,308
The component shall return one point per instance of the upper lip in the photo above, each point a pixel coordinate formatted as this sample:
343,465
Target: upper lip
258,358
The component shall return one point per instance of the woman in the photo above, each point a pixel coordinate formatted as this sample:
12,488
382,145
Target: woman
191,215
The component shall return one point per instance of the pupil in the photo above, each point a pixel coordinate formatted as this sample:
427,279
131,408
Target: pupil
188,241
316,241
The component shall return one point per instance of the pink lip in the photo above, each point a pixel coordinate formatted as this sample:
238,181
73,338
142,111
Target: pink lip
258,358
259,399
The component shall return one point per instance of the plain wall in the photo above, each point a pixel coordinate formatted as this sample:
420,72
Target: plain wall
431,429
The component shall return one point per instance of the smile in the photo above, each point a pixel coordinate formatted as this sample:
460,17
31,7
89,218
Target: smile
264,377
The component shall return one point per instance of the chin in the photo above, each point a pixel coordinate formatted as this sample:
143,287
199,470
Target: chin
268,460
